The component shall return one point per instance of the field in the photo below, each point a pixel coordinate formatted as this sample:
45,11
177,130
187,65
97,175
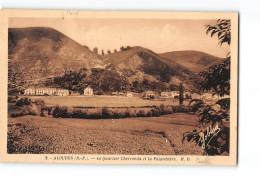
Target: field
143,136
101,101
134,135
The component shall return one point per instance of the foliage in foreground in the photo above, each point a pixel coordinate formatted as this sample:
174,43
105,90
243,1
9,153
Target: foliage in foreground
213,134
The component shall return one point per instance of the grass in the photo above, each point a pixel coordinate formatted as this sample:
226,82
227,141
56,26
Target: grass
133,136
37,106
101,101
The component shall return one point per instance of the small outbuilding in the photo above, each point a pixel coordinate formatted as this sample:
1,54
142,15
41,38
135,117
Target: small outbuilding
88,91
129,94
149,94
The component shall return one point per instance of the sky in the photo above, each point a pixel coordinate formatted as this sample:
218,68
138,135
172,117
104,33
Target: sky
158,35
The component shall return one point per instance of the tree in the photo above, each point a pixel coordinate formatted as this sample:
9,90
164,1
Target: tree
122,48
103,52
222,29
181,93
95,50
218,76
108,51
173,87
214,138
115,51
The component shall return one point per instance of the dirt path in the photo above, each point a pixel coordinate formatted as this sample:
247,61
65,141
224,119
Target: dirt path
142,136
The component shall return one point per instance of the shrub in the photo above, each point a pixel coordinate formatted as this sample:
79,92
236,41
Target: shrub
161,109
214,116
39,108
12,99
46,111
61,112
105,112
132,112
168,110
23,101
79,114
183,109
27,110
149,113
40,103
141,113
127,113
156,112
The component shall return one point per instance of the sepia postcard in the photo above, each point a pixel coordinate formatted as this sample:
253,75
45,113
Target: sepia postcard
118,87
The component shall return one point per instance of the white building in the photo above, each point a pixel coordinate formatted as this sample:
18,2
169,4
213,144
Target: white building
88,91
29,91
164,94
174,94
62,92
171,94
46,91
114,93
129,94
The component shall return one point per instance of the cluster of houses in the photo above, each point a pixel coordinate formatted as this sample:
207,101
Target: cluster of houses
122,94
54,92
147,95
187,94
175,94
64,92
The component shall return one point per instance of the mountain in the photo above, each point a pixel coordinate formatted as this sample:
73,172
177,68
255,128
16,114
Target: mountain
144,60
145,67
38,53
194,61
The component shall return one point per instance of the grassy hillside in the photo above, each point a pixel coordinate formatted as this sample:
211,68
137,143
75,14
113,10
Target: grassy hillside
38,53
194,61
143,60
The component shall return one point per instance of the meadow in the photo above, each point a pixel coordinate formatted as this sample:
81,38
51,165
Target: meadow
126,126
131,136
101,101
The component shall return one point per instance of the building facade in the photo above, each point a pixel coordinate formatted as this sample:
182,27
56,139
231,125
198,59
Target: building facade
88,91
170,94
46,91
62,92
29,91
